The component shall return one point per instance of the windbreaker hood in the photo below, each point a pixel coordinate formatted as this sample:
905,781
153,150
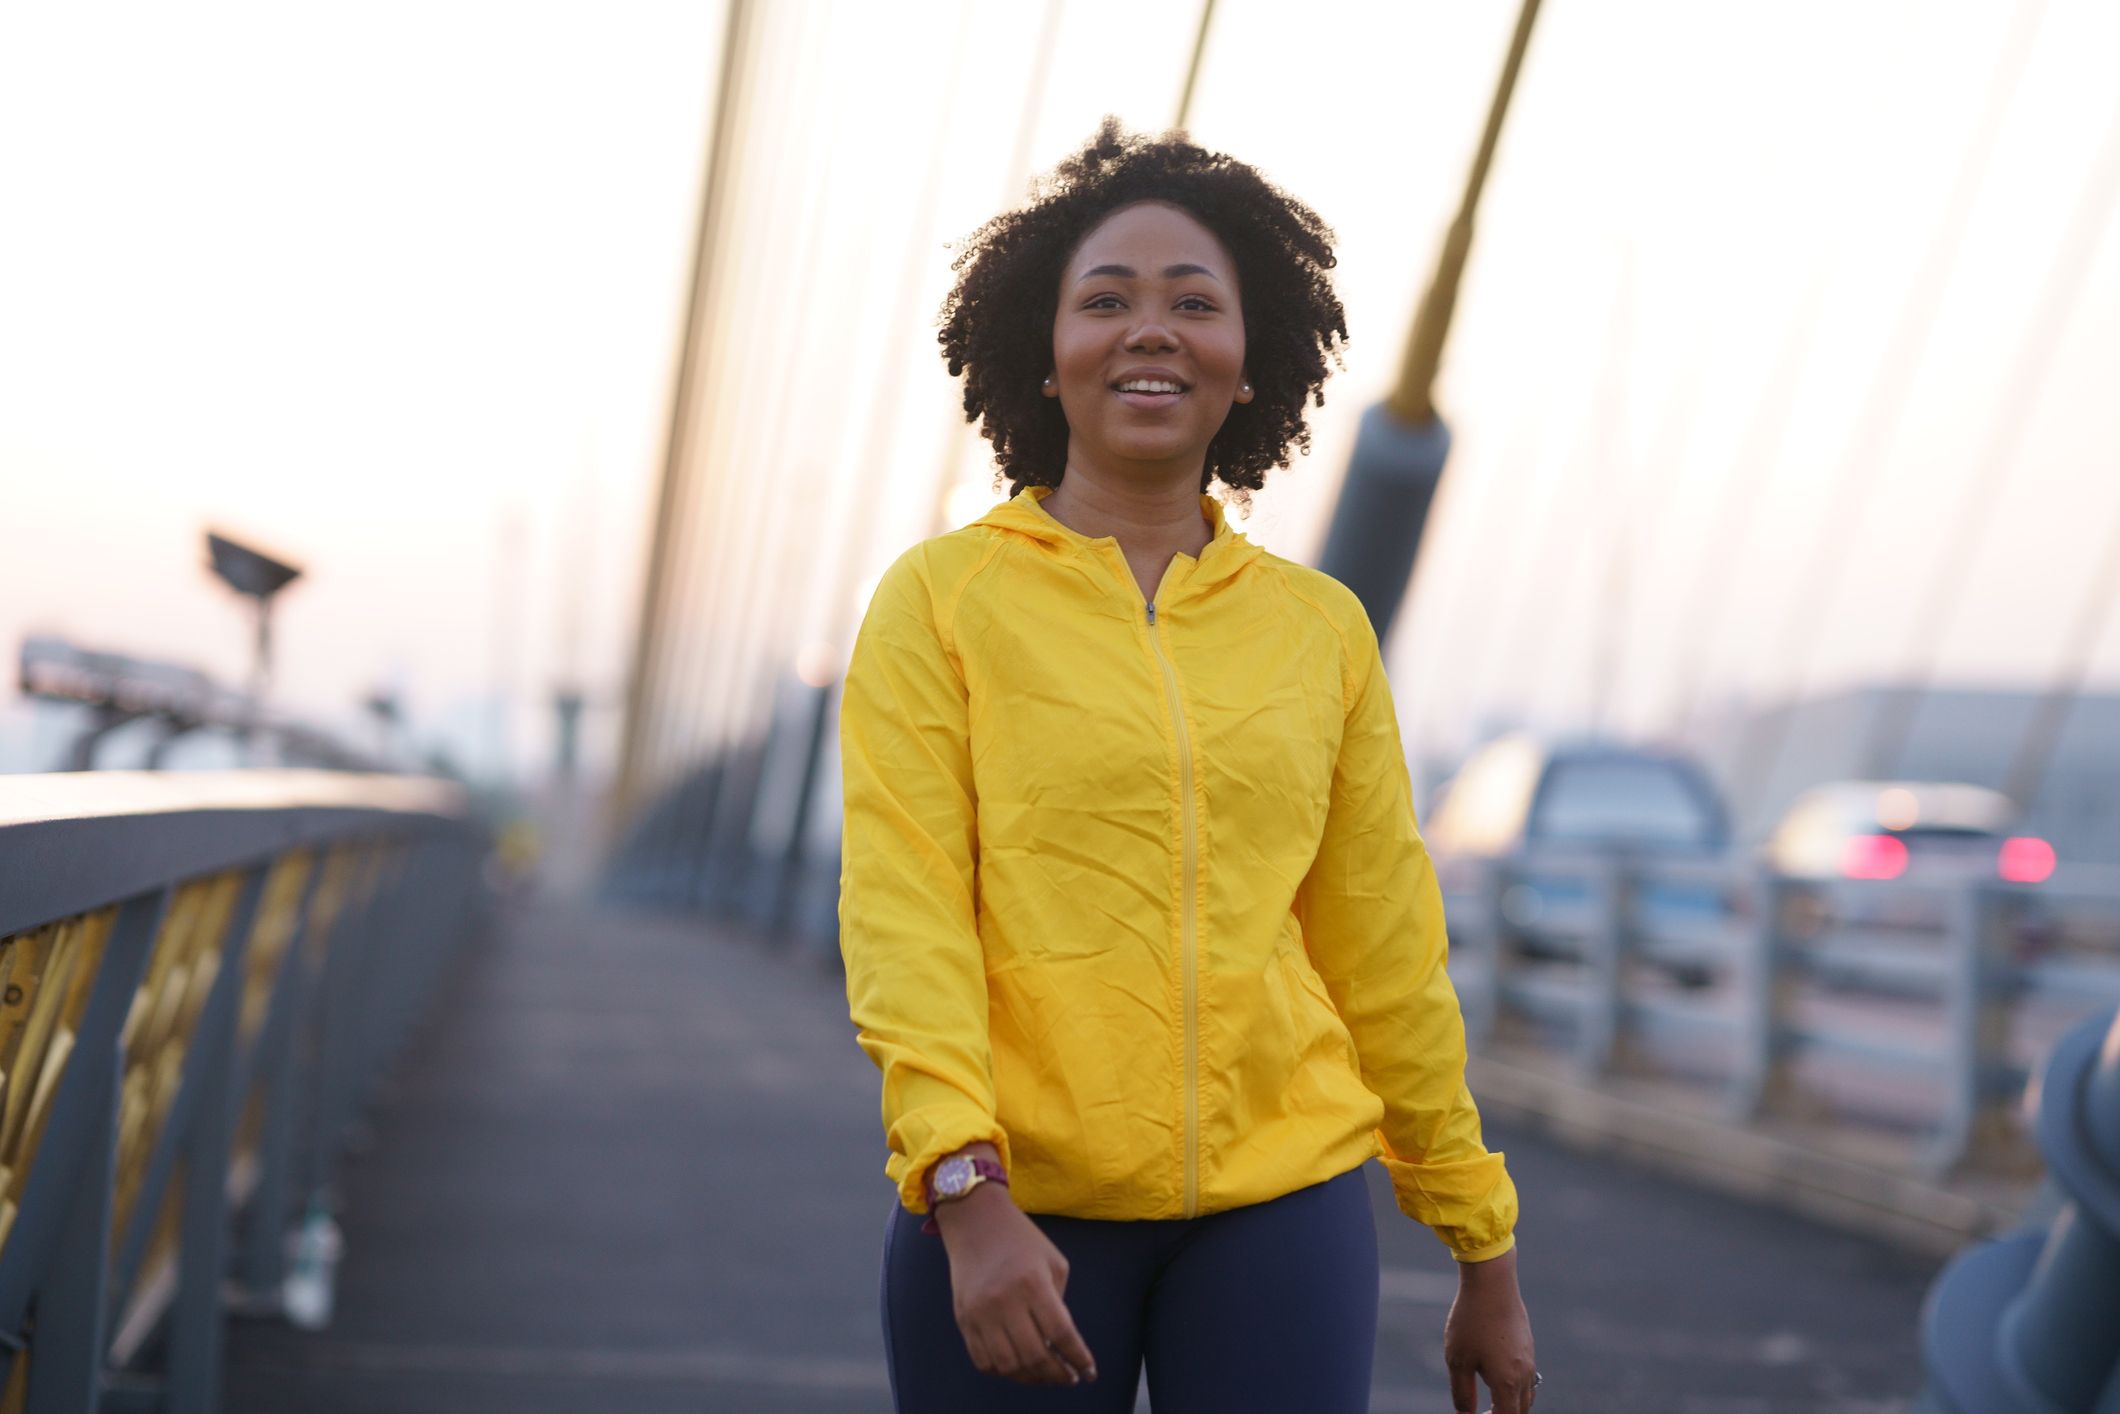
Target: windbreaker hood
1023,514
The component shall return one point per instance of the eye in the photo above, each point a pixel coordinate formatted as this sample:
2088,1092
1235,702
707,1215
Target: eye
1104,302
1199,303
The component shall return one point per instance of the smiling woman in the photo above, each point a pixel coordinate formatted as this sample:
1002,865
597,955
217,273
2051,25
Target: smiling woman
1137,923
1229,255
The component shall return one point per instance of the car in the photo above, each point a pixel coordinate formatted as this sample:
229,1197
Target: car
1523,801
1933,835
1922,831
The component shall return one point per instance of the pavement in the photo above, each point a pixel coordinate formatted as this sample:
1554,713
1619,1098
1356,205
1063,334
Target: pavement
634,1165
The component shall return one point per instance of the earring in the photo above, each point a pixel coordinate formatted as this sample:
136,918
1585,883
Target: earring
1048,382
1247,390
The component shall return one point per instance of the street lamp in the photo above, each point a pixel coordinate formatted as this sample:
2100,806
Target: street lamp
257,576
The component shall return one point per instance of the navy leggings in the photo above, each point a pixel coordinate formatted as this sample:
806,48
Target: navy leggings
1269,1307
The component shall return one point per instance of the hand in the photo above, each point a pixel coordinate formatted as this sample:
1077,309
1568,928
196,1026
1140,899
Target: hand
1006,1280
1488,1337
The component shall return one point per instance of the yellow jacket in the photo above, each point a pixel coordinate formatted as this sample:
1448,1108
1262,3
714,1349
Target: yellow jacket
1135,892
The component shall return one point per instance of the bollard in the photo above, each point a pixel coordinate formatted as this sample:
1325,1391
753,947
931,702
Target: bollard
2031,1324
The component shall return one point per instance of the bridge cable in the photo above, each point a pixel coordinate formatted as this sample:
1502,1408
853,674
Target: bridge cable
2070,269
1765,737
2035,751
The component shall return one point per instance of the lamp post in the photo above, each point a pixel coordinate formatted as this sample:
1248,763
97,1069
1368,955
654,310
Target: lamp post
256,576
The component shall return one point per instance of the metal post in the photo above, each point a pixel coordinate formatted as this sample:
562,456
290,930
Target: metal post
195,1321
66,1374
261,1256
330,1078
726,854
1766,986
1598,1021
787,887
38,1255
686,848
1482,1006
370,985
1979,1082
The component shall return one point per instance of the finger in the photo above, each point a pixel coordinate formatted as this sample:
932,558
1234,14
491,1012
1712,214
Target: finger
976,1346
1017,1352
1057,1326
1000,1355
1011,1361
1464,1391
1040,1365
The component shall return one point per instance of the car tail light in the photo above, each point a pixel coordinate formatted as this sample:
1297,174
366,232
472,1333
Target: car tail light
2025,859
1874,857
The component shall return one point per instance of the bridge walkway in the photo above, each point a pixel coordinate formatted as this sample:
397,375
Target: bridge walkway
633,1165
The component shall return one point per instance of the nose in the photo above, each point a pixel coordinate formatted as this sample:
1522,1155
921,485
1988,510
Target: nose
1151,336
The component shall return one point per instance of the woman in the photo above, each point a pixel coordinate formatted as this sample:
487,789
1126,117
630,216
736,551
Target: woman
1136,921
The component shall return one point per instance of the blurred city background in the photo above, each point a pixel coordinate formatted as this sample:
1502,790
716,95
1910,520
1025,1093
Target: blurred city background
529,397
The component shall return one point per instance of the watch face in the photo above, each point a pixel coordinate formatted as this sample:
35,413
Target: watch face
953,1176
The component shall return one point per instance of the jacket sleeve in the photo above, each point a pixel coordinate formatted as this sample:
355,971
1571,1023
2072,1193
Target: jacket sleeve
1372,917
916,980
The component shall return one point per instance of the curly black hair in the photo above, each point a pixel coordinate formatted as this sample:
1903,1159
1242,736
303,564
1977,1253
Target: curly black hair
997,324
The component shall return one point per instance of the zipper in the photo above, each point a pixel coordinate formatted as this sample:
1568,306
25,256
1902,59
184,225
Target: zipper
1187,924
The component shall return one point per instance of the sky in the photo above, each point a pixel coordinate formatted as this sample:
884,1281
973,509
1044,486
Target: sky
1783,361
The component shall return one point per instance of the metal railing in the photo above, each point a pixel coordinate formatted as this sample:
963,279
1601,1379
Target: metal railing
1916,1005
200,977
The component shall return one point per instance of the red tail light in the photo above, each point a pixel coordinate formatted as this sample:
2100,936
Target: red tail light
2025,859
1874,857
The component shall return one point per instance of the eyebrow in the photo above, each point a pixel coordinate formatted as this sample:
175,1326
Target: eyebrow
1127,272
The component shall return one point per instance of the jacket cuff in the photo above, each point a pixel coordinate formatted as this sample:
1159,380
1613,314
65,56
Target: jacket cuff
1470,1204
909,1171
1489,1253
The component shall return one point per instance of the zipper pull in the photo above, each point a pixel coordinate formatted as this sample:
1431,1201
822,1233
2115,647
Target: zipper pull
1152,616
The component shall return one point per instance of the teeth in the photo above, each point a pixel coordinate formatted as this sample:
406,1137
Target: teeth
1149,385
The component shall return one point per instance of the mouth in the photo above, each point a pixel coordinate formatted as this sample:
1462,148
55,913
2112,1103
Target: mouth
1149,392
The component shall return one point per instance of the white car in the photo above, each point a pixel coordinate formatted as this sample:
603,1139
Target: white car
1921,831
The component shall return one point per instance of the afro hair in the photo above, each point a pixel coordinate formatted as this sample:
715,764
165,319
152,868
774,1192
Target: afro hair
997,324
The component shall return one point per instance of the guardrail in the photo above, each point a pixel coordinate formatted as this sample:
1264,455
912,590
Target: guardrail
1761,984
200,975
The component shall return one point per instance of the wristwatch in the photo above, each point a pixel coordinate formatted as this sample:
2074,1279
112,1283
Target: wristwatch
956,1176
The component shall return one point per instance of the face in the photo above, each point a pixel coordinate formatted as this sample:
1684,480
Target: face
1148,338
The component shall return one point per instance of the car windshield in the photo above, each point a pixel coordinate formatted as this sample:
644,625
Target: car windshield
1633,802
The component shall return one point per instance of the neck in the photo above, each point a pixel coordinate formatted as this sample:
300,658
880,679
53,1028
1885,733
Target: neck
1146,514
